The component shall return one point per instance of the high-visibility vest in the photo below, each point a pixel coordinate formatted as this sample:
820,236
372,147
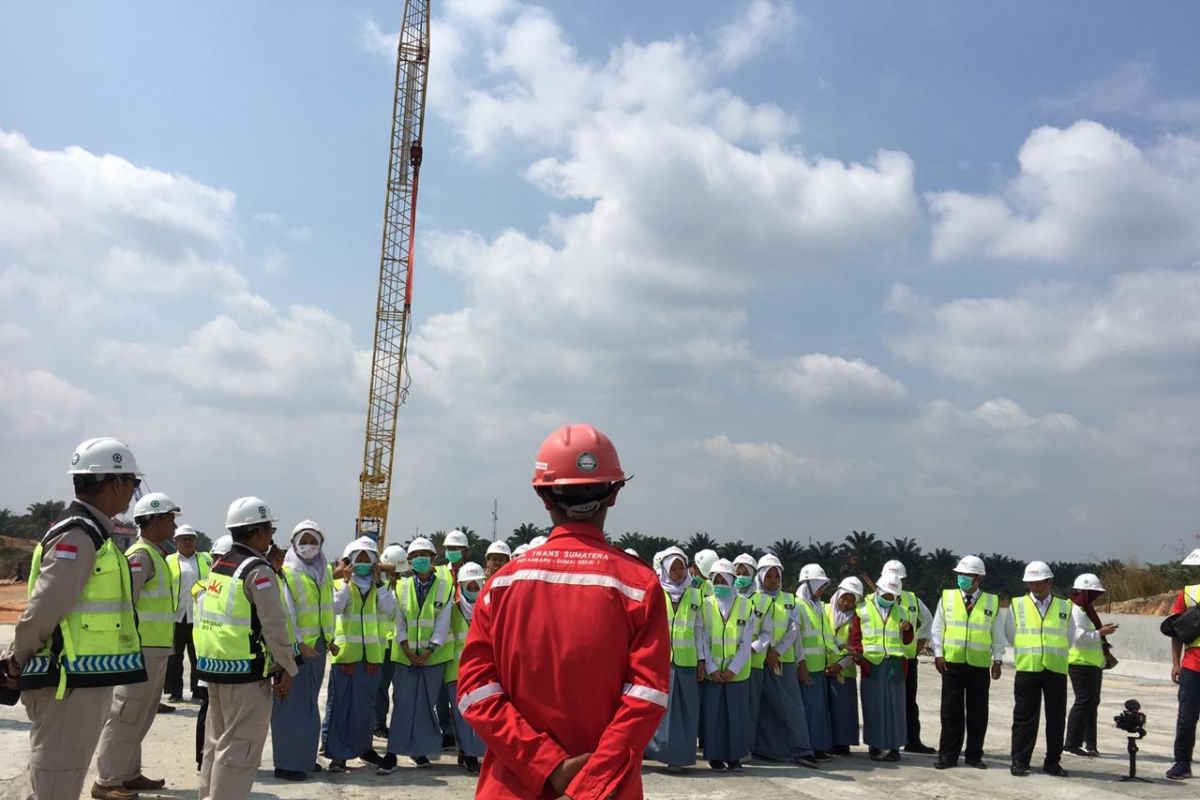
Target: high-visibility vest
841,639
725,634
421,618
158,600
1041,643
229,644
1192,593
1087,654
816,637
203,564
774,614
97,643
459,628
314,604
681,617
881,638
967,638
358,631
912,609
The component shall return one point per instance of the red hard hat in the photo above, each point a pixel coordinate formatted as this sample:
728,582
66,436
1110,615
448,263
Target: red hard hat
575,455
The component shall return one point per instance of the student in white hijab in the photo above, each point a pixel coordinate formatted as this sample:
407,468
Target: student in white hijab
816,650
842,676
884,628
729,619
674,742
470,580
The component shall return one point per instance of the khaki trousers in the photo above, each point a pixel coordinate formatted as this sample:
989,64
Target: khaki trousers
63,739
134,706
239,718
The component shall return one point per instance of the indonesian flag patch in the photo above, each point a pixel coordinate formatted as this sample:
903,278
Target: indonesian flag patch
135,566
262,582
68,551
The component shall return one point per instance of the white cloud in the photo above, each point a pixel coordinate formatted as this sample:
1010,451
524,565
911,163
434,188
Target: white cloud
1085,194
1129,90
772,461
818,378
765,24
39,402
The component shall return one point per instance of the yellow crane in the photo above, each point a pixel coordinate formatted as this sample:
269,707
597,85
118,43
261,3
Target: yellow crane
389,370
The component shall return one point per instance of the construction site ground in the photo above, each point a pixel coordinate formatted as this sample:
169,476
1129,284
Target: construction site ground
168,753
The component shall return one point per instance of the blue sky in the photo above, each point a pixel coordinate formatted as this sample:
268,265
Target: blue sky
929,270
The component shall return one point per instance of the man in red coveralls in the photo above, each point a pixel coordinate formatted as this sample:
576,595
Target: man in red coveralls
565,671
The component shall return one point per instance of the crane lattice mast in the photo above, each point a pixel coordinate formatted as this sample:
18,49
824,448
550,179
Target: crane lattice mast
389,369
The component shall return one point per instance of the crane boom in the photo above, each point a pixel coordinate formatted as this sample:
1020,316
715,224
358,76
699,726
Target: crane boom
389,369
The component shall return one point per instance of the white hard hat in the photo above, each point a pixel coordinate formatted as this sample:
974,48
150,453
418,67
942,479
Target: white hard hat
811,572
248,511
307,525
153,504
852,585
632,552
419,545
748,560
1089,582
723,566
103,456
656,562
670,552
1037,571
1192,559
889,582
770,560
970,565
896,568
538,541
520,550
362,543
470,571
393,554
184,530
455,539
499,549
222,545
705,560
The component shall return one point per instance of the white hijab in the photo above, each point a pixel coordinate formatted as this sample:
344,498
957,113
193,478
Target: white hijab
363,583
675,590
318,568
840,617
726,604
762,573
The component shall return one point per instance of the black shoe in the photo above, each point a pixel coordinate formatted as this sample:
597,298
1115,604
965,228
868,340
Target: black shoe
336,766
945,763
1077,751
387,765
471,765
381,732
921,748
892,755
876,755
175,698
1055,769
805,761
1179,771
421,762
317,768
734,766
841,749
290,774
199,694
719,766
1092,752
163,708
821,755
372,758
977,763
448,742
1019,770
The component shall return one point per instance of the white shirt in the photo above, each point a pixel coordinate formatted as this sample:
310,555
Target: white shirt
938,628
1079,627
189,573
441,623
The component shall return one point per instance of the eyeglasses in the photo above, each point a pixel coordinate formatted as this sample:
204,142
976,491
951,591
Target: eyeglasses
134,479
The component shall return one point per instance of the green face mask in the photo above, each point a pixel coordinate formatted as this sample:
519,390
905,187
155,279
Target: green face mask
965,582
742,583
884,602
722,592
470,594
454,556
697,581
363,570
422,564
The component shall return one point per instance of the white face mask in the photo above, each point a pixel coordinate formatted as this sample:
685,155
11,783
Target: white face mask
308,551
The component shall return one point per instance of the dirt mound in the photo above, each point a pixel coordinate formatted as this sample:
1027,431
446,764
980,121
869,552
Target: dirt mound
1158,605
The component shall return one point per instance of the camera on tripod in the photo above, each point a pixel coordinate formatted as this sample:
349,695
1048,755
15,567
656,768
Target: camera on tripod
1131,719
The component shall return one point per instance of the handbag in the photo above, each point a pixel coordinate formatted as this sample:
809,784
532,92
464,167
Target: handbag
1184,627
1110,660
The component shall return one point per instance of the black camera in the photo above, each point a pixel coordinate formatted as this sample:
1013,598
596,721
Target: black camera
1131,719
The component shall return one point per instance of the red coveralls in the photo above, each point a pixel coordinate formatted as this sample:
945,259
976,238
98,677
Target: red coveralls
569,653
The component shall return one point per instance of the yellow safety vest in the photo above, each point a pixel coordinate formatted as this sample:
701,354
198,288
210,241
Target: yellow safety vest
203,564
725,634
459,628
1192,593
314,604
881,638
158,600
97,643
816,637
1041,643
774,613
912,610
358,629
841,639
967,638
681,617
421,618
229,643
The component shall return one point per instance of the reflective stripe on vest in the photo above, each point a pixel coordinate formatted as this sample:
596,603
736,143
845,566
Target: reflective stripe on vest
841,639
967,638
158,601
97,643
725,634
912,608
1087,654
229,643
459,627
314,604
774,614
358,633
682,619
815,636
1041,644
880,638
421,619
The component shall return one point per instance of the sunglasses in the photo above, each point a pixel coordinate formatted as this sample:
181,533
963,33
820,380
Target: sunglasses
135,480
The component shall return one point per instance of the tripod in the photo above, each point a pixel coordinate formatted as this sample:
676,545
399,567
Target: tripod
1133,751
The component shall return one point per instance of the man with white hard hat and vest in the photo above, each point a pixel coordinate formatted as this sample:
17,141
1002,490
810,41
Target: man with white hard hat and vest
968,648
77,637
244,649
1185,671
1042,629
566,671
187,567
918,612
134,706
498,554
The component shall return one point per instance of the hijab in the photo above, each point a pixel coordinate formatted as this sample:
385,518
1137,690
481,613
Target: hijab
840,617
762,573
318,568
805,591
726,604
363,582
1086,599
673,589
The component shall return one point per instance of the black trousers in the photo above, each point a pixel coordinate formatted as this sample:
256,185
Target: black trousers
964,700
1189,713
1029,689
1081,724
912,712
183,641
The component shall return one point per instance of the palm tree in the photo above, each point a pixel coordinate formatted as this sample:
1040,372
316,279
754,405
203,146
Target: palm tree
731,550
524,532
864,552
904,550
791,554
824,553
39,516
700,541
